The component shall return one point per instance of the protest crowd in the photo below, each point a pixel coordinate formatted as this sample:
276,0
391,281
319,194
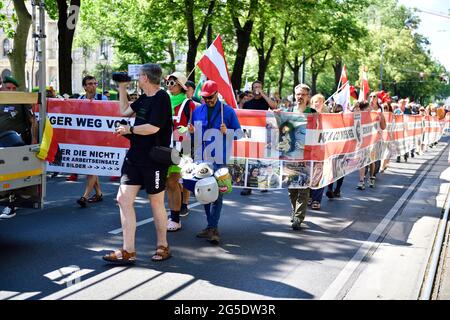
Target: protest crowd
168,109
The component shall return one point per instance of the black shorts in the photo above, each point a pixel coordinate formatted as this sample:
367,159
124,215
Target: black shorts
152,179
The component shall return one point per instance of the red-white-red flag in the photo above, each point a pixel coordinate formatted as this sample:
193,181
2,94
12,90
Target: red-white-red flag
214,67
364,89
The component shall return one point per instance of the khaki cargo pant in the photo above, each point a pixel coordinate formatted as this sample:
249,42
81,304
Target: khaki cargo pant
299,203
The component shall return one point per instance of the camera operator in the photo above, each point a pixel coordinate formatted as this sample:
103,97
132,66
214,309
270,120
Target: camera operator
152,127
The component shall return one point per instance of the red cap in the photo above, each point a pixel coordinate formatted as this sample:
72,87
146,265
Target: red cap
209,88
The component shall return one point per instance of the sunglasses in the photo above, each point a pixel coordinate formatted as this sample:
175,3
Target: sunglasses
171,83
210,97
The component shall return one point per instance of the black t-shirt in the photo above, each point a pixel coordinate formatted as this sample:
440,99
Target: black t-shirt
157,111
257,104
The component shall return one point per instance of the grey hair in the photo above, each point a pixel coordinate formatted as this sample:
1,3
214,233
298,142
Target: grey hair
153,72
303,86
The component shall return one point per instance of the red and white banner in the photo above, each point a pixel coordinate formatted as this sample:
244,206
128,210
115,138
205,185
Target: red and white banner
302,150
214,67
85,132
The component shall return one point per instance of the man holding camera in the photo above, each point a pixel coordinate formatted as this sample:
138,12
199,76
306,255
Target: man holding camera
152,127
260,101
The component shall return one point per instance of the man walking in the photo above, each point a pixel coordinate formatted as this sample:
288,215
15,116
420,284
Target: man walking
299,197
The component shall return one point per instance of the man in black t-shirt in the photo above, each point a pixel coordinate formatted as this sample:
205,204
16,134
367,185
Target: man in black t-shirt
260,101
152,127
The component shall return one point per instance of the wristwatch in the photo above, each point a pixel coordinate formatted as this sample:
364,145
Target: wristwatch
132,129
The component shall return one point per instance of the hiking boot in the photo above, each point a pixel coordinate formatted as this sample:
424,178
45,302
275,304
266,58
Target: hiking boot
214,238
205,233
8,212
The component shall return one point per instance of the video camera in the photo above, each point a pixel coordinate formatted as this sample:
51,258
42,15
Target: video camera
121,77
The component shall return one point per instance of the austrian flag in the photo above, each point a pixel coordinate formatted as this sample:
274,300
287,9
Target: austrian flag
214,67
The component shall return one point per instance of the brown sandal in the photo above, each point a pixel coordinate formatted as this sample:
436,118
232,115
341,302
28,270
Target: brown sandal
162,253
127,257
95,198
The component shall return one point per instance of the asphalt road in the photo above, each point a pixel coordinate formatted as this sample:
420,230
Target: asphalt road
56,253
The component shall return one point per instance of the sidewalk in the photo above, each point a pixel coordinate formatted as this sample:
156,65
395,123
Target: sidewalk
396,266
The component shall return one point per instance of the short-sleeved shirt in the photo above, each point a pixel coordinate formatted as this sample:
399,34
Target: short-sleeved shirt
14,117
257,104
157,111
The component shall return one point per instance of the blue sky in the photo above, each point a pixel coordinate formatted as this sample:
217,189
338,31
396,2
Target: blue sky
435,28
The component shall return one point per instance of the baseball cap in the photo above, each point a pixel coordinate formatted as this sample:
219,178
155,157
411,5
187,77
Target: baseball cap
180,77
9,79
209,88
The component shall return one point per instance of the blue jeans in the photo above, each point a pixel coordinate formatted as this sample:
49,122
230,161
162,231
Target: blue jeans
316,194
213,210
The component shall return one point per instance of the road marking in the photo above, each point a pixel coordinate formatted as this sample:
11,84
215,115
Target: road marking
332,293
149,220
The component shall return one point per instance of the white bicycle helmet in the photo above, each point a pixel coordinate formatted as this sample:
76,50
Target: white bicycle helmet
206,190
203,170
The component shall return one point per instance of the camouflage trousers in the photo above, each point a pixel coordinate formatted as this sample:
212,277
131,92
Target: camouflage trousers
299,203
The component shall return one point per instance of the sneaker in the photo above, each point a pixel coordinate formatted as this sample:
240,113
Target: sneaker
8,212
361,186
72,177
330,194
246,192
372,182
184,212
214,238
205,233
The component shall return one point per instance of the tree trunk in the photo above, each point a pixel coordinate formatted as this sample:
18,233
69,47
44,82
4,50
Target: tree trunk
263,57
296,70
17,57
337,67
194,40
314,76
243,35
287,30
65,41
